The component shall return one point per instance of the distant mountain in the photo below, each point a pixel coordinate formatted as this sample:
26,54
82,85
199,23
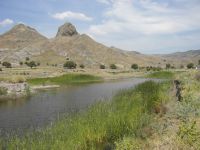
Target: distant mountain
192,56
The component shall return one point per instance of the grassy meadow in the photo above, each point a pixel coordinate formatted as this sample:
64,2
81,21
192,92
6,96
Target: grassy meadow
65,79
161,75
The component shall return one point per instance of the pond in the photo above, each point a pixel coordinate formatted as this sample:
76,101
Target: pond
46,106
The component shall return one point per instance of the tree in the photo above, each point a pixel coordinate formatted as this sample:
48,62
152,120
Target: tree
82,66
168,66
21,63
134,66
102,66
31,64
113,66
70,65
27,58
7,64
190,66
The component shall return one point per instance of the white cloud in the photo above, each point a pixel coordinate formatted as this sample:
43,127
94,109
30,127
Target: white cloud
136,23
146,17
71,15
6,22
104,1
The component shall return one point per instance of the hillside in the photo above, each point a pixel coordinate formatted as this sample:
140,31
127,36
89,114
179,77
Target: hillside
23,41
184,58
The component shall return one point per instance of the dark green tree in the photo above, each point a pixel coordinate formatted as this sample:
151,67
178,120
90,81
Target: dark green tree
134,66
31,64
102,66
113,66
168,66
190,66
70,65
82,66
7,64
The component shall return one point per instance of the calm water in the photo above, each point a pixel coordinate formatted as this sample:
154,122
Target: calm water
44,107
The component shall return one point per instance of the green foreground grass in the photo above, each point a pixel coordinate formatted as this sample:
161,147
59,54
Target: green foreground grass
106,124
161,75
65,79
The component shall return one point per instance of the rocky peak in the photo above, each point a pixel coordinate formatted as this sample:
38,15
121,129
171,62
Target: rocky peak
67,29
22,28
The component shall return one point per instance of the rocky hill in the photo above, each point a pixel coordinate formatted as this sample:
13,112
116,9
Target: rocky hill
23,41
183,58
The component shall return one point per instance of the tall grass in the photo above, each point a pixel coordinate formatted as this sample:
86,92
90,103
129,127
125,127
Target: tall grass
65,79
161,75
102,124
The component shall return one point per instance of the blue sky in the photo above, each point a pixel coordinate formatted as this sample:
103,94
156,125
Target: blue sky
147,26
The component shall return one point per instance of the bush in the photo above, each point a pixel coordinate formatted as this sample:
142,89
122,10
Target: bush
102,67
27,58
197,77
190,66
134,66
168,66
21,63
113,66
7,64
82,66
1,69
3,91
31,64
17,79
70,65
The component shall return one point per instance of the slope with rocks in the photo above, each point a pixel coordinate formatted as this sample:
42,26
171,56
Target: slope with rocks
23,41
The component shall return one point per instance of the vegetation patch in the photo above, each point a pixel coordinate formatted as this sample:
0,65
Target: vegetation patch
161,75
105,125
65,79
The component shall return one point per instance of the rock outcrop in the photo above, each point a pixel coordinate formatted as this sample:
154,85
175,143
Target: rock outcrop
67,29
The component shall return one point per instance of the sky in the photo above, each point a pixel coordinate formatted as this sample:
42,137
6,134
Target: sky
146,26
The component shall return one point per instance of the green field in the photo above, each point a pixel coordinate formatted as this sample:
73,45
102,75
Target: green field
161,75
65,79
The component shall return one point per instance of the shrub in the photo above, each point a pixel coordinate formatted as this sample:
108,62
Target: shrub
17,79
82,66
113,66
27,58
1,69
21,63
38,64
190,66
102,67
7,64
70,65
134,66
31,64
3,91
168,66
197,77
